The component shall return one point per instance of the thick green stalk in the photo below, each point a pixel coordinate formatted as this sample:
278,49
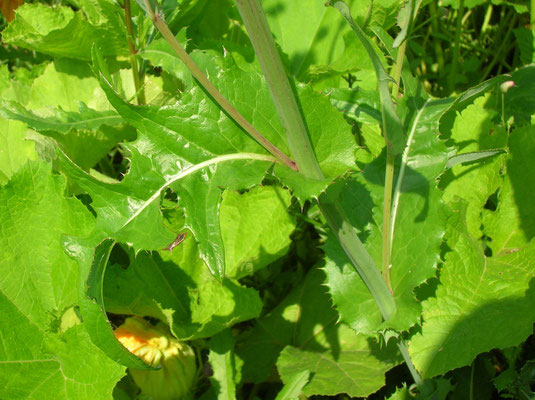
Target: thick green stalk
387,211
389,176
211,89
140,91
532,14
283,96
359,257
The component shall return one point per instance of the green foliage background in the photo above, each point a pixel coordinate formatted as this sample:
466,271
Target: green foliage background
90,201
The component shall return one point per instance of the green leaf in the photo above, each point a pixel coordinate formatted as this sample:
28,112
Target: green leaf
477,297
475,129
255,227
358,104
59,120
391,124
519,100
57,108
447,121
526,44
472,157
40,356
172,138
61,32
303,330
405,19
512,225
176,287
133,217
418,214
223,363
294,386
305,33
92,304
15,150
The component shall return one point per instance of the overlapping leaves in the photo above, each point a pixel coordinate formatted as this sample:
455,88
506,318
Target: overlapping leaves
42,341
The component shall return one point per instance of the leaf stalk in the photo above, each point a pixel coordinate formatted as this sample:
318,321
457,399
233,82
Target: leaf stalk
211,89
140,91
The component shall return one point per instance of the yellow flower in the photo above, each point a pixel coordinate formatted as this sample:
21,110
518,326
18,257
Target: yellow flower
158,348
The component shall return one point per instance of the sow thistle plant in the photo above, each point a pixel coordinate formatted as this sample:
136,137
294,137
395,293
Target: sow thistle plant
311,222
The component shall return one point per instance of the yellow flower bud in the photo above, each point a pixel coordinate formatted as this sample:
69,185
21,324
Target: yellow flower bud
158,348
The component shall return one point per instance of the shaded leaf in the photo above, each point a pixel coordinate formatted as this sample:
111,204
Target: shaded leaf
223,363
294,386
302,333
476,294
176,287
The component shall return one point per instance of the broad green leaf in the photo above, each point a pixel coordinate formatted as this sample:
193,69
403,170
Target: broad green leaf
305,32
303,334
64,84
124,214
447,121
519,100
61,32
42,352
477,297
525,39
475,129
223,363
294,386
255,227
59,120
512,225
15,150
418,214
176,287
194,130
57,108
92,266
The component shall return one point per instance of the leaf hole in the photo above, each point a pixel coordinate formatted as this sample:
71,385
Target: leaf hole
119,257
492,202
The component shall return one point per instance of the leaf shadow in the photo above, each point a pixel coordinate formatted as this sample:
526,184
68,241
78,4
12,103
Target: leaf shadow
304,319
493,324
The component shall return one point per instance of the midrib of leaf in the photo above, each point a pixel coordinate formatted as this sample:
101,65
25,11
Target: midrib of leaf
195,168
403,166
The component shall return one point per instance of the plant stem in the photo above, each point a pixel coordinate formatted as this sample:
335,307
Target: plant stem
532,15
387,211
211,89
456,48
140,91
359,257
396,70
486,20
283,96
500,50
